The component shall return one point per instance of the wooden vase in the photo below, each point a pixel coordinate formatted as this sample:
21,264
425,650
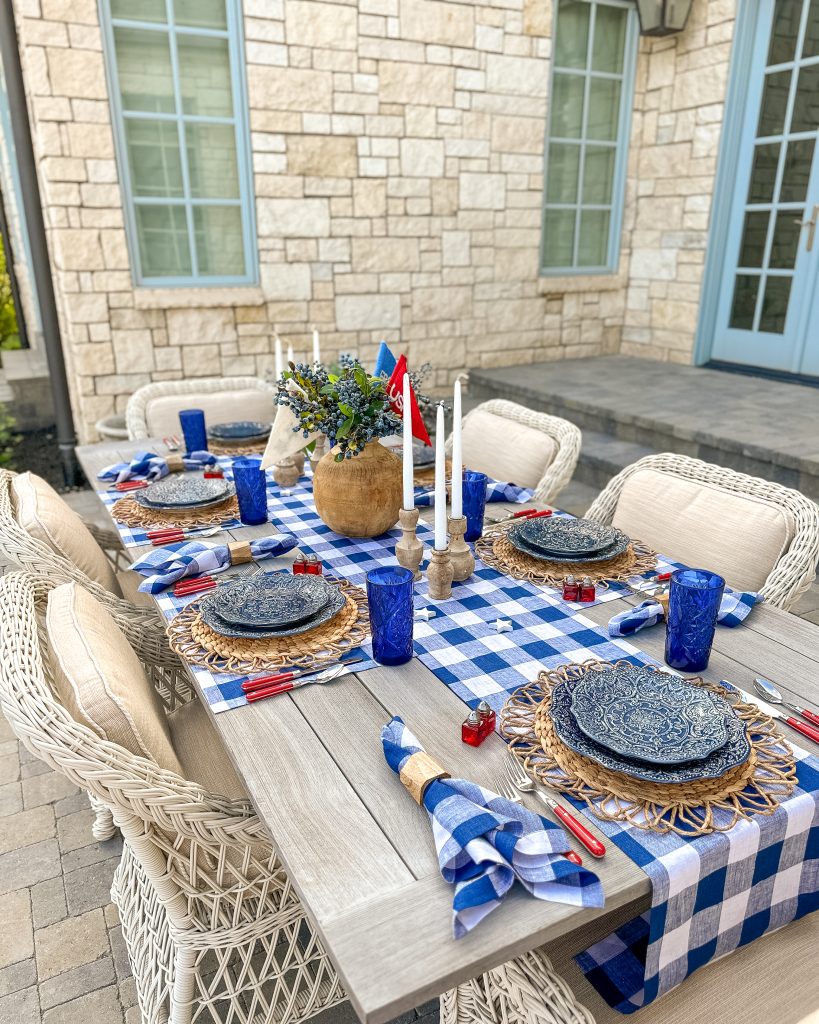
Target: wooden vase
361,496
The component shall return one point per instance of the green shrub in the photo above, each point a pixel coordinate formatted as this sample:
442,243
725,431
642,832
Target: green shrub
9,331
8,438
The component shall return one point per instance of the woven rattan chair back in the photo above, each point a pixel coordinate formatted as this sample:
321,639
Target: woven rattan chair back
795,569
208,391
566,436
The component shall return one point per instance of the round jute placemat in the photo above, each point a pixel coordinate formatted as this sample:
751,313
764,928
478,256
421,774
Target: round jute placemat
495,549
131,513
199,645
692,808
215,448
426,477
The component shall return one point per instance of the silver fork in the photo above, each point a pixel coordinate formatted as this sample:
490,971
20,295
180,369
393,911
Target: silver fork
521,781
507,790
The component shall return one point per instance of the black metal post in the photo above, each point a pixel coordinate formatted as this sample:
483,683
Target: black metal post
41,266
5,238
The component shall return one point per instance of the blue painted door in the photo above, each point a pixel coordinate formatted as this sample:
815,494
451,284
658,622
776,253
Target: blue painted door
766,314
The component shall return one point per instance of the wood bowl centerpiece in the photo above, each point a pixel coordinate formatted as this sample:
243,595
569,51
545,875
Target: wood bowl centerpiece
361,496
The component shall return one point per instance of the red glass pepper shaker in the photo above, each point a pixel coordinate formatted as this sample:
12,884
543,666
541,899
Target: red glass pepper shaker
487,718
299,565
587,590
313,566
471,730
213,472
571,590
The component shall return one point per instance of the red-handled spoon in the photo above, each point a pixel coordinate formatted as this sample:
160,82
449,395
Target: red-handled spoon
765,688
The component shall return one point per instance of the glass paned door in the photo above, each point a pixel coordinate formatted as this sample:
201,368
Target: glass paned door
771,259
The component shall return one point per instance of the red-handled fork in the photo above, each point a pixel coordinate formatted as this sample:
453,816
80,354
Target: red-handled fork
509,792
520,780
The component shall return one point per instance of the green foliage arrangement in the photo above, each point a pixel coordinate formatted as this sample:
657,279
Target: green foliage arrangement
8,437
9,331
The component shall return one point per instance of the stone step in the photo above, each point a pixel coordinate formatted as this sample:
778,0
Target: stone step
576,497
603,456
6,394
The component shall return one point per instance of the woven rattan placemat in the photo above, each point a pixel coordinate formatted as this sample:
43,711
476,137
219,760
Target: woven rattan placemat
426,477
130,513
257,448
756,787
495,549
199,645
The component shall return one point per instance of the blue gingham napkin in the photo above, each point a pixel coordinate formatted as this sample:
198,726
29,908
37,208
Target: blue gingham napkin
147,466
496,490
485,843
164,566
734,608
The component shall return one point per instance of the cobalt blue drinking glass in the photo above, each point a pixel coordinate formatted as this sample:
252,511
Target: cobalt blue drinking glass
389,595
192,422
474,502
693,605
251,490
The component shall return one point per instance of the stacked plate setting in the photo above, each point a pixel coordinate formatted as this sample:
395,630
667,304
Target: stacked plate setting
240,432
178,493
267,606
649,725
557,539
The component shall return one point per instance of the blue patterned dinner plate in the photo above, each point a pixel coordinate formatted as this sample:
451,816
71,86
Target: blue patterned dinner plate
207,607
240,430
180,492
274,600
650,716
558,536
519,541
734,752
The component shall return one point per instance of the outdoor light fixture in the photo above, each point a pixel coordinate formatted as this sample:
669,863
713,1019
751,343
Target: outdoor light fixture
662,17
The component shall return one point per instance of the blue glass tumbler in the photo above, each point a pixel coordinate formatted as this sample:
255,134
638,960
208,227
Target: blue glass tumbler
693,604
389,595
192,422
474,502
251,490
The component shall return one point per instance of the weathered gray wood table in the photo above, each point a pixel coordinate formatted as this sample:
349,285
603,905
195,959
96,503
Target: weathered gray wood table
360,852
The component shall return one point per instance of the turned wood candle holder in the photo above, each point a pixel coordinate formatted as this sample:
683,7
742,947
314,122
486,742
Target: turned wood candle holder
318,451
463,561
409,550
439,575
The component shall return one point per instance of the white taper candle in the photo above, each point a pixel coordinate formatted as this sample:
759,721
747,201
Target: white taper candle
457,458
316,349
279,364
440,481
406,411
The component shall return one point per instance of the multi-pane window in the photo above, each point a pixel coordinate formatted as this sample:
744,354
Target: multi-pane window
590,113
177,91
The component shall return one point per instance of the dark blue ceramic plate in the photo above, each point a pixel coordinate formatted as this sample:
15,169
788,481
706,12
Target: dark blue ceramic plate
735,752
650,716
212,619
558,536
272,601
519,541
180,492
241,430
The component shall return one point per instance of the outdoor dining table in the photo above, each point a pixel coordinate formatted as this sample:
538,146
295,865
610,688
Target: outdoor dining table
359,851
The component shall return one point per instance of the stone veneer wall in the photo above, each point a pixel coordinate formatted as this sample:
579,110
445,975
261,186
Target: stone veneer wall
397,157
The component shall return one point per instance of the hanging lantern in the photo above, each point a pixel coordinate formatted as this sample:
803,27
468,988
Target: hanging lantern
663,17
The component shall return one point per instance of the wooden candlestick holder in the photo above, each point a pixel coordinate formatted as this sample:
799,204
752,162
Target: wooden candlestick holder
439,575
463,561
409,550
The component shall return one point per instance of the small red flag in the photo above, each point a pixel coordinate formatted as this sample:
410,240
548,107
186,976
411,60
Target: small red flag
395,389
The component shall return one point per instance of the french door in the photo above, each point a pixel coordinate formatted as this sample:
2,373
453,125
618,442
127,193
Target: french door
767,312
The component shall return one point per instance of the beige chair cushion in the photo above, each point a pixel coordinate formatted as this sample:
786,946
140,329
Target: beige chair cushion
202,753
705,527
162,412
43,514
505,449
100,680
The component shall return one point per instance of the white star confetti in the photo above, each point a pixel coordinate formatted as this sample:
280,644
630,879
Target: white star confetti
503,625
424,614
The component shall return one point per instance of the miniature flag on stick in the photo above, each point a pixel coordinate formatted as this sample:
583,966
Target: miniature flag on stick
395,389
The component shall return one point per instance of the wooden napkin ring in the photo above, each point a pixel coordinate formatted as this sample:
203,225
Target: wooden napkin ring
174,462
418,771
239,551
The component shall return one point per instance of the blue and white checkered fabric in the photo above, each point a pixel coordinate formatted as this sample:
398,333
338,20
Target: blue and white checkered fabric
486,843
734,608
147,466
164,566
496,490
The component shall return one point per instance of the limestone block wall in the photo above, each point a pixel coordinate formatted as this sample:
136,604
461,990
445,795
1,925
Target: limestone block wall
397,151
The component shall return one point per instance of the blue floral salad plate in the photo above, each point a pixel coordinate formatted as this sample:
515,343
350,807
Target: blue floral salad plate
734,752
650,716
178,492
271,596
518,539
559,536
240,430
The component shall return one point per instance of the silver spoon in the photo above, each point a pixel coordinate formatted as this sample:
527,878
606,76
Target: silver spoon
765,688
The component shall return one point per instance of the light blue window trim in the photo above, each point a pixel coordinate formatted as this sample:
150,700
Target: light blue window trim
619,145
238,120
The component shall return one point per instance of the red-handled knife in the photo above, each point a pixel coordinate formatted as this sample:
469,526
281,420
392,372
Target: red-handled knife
281,682
131,485
576,827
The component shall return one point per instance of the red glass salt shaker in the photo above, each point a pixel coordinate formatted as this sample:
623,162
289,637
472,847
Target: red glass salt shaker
299,565
586,590
487,718
213,472
571,590
472,730
313,566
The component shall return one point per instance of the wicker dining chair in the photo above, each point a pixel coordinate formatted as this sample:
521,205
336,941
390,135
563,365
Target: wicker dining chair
757,534
153,410
213,927
511,443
